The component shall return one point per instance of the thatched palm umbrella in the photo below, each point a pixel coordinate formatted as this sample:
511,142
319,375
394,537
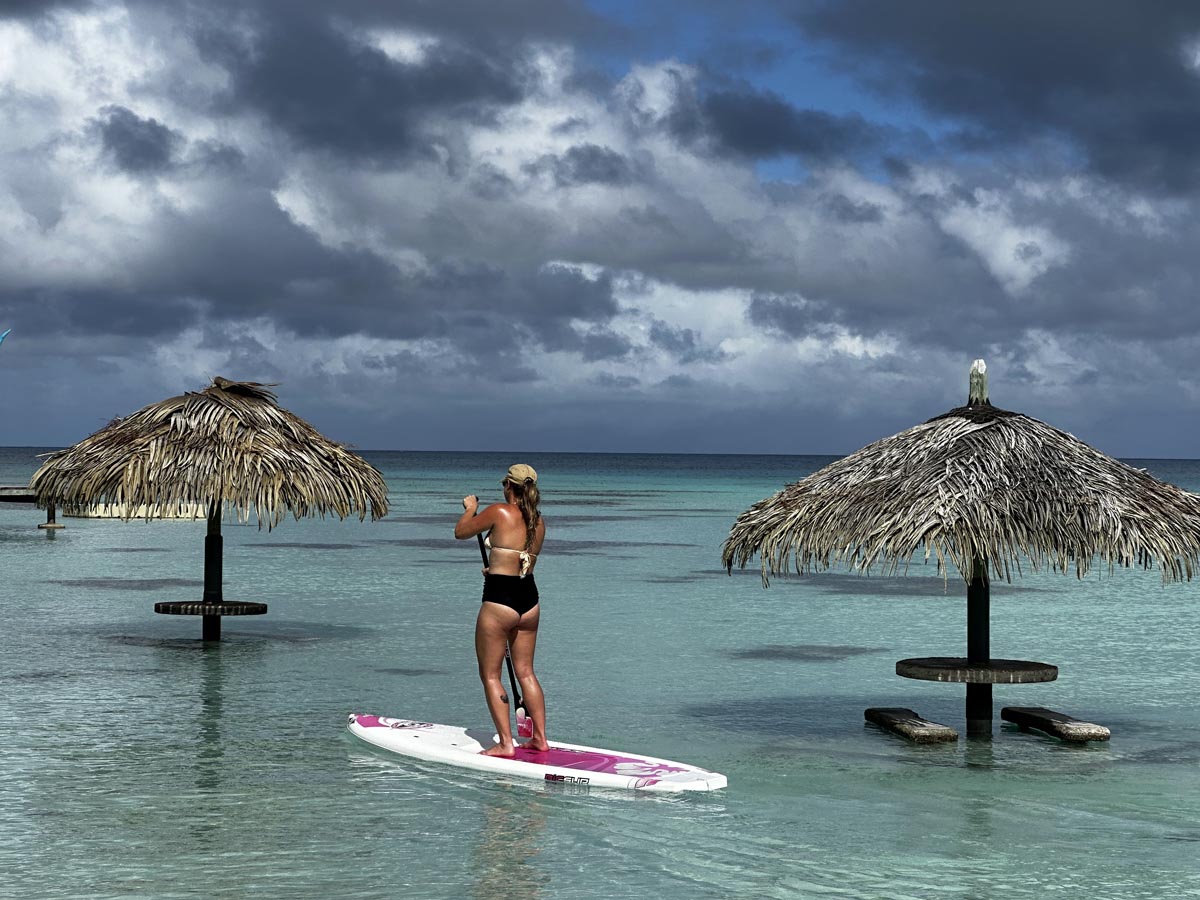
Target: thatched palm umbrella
230,447
982,489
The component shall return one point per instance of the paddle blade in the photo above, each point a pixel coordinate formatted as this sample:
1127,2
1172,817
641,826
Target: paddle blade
524,724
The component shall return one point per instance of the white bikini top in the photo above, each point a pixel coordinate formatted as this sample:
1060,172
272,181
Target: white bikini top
527,558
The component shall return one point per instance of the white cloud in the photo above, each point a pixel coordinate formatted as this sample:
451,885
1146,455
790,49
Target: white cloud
407,47
1014,252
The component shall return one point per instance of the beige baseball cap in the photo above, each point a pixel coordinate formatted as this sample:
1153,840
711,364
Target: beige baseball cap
521,473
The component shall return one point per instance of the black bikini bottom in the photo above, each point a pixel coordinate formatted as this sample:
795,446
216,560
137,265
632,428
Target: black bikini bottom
512,591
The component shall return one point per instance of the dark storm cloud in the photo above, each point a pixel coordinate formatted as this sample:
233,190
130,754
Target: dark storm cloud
733,117
26,9
331,91
139,146
489,183
682,343
600,343
789,316
586,164
217,157
843,209
539,298
97,310
761,125
616,382
1113,79
477,22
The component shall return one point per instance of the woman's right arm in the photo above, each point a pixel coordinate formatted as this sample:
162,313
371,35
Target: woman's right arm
469,524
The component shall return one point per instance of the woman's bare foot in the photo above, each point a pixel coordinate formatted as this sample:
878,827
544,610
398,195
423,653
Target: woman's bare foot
500,750
535,746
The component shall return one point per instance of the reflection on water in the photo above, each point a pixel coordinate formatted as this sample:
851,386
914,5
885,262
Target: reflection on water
509,841
979,752
208,718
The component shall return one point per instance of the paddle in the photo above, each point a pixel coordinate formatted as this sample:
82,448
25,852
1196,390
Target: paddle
524,723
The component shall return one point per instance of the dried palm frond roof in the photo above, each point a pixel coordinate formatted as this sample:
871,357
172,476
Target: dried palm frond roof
230,444
975,483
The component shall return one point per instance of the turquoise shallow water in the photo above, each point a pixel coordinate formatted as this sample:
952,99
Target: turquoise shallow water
138,762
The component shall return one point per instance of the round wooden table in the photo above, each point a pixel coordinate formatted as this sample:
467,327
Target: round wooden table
212,612
200,608
959,669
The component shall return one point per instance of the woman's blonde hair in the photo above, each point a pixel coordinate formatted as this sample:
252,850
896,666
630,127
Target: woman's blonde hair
526,496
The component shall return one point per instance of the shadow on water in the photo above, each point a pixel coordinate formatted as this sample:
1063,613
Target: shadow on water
411,673
301,545
445,544
262,633
797,716
1185,753
126,584
858,585
686,578
803,652
447,521
560,547
48,676
107,550
584,547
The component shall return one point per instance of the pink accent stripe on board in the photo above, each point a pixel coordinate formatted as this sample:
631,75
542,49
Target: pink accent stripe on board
588,761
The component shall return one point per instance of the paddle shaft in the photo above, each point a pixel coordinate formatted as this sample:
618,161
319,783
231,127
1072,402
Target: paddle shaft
518,702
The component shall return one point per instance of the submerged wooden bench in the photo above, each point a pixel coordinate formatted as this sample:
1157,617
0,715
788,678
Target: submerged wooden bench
1057,724
906,723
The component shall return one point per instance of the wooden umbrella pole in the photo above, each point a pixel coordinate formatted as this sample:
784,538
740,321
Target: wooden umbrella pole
979,649
211,627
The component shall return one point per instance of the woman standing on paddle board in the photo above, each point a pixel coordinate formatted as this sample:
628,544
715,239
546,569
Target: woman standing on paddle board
509,614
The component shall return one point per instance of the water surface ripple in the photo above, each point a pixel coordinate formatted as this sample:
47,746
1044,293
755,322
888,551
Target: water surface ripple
138,762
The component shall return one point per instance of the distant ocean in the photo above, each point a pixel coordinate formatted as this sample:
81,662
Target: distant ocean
138,762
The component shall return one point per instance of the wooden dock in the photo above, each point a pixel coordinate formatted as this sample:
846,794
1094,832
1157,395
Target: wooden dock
20,493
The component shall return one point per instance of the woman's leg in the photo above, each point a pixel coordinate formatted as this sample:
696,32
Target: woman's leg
493,629
523,645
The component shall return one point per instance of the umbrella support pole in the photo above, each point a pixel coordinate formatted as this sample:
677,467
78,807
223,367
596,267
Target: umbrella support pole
212,606
979,651
211,627
979,710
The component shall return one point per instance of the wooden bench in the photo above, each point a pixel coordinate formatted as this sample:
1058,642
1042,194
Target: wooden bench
906,723
1056,724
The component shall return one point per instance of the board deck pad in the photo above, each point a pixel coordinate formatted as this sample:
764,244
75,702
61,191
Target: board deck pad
562,763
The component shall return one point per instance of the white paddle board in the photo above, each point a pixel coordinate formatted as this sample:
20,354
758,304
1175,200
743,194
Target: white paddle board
562,763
